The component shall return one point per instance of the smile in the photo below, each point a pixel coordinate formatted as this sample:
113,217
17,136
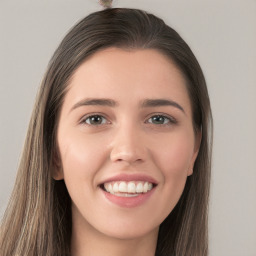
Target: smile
127,189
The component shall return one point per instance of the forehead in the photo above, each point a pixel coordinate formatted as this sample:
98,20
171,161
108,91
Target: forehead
139,63
134,74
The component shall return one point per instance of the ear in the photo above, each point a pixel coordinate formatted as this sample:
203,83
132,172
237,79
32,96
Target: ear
198,138
57,170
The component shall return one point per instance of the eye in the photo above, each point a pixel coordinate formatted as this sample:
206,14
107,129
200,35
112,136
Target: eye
94,120
161,120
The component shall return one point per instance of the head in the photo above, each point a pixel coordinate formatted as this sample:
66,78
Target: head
184,230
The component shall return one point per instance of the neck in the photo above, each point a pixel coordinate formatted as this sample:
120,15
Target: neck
88,241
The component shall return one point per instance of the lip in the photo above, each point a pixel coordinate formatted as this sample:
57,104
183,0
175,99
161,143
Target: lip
129,202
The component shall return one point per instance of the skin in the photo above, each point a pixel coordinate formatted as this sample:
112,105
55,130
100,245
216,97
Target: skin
125,140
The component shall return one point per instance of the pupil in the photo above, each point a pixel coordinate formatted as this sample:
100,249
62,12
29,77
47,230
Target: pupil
158,119
96,119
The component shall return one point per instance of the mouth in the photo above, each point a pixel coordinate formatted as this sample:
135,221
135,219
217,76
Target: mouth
127,189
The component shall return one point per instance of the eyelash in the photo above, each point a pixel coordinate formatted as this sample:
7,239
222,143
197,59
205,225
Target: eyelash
83,121
170,120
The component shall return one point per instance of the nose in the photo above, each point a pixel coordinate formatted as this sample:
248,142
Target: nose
128,146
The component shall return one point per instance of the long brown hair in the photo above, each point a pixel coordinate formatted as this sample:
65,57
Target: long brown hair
38,218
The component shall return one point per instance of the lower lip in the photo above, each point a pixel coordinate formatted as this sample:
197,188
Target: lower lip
129,202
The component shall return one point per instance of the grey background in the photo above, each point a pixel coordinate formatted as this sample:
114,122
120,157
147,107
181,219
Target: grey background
222,35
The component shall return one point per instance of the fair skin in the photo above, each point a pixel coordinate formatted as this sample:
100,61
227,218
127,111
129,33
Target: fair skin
141,132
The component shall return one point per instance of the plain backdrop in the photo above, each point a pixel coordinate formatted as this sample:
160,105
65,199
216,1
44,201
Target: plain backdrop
221,33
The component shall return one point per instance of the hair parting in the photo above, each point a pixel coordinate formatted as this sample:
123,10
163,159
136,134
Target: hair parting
106,3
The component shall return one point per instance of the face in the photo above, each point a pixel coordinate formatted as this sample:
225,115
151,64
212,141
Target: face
126,142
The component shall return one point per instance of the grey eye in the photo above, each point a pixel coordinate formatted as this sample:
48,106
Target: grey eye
95,120
159,119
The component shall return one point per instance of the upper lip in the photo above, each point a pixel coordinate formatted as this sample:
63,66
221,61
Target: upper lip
130,177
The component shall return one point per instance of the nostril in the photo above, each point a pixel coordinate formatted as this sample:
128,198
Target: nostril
127,153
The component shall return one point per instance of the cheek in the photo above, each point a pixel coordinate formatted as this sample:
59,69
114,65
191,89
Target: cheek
81,157
175,154
174,159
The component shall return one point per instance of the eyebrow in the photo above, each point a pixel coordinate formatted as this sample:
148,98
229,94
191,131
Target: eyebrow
161,102
95,102
111,103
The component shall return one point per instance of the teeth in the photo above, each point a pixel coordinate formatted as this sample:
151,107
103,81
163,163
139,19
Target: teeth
122,187
131,188
109,188
115,188
145,187
139,188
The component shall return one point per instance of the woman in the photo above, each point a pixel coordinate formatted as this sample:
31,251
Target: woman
117,155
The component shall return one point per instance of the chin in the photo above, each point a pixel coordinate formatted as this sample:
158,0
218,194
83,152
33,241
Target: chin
128,232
